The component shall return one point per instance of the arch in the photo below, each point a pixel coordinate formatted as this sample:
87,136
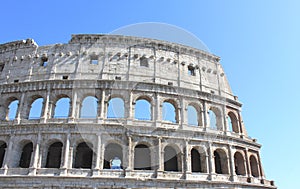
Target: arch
26,154
215,118
142,109
142,157
3,147
239,164
170,159
221,165
115,108
54,155
111,151
89,107
254,166
62,108
12,109
232,122
36,108
195,161
169,111
83,156
193,116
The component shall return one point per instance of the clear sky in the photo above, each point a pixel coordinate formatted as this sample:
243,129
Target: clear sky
258,42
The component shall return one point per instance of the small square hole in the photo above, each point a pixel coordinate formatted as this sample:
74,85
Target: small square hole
44,61
118,78
191,71
65,77
16,81
94,61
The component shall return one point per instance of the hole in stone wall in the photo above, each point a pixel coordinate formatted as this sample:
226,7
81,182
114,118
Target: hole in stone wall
191,71
44,61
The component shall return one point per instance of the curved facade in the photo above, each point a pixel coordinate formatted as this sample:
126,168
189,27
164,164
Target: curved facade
164,110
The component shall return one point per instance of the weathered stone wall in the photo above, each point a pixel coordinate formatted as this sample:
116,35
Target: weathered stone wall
104,67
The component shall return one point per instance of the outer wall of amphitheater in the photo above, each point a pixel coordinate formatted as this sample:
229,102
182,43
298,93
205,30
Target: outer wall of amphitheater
60,126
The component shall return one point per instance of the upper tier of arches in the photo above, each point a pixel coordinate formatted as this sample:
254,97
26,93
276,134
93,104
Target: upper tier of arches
106,105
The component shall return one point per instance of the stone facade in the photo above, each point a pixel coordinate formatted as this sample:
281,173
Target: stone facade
73,151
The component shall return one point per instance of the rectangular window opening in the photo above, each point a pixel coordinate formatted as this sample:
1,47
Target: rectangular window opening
191,71
16,81
65,77
94,60
44,61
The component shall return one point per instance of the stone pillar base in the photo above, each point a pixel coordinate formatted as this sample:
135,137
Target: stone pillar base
32,171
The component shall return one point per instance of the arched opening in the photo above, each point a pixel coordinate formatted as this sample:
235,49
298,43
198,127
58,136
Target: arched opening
232,123
239,164
112,151
215,118
196,161
115,108
62,107
84,156
36,109
26,155
54,155
212,120
221,165
12,110
193,118
170,159
89,107
169,112
2,152
142,157
254,166
142,110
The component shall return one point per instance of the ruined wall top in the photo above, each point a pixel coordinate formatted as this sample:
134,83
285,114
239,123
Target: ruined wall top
114,57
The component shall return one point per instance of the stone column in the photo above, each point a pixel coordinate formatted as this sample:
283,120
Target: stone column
158,110
240,124
20,108
102,107
7,156
65,164
181,114
188,158
35,156
225,116
206,122
262,175
248,173
130,106
73,105
130,156
98,156
231,163
160,159
211,161
46,107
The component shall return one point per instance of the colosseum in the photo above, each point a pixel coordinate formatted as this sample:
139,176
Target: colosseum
113,111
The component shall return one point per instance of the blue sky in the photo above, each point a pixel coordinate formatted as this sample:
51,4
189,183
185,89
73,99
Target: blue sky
258,42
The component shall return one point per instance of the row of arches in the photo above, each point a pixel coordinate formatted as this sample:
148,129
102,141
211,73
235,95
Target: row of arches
143,158
143,110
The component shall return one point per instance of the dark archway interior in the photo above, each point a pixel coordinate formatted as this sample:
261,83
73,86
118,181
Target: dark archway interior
2,153
26,155
170,159
54,155
196,161
111,151
84,156
142,157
